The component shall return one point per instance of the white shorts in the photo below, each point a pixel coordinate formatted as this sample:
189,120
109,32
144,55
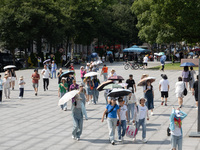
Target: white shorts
13,78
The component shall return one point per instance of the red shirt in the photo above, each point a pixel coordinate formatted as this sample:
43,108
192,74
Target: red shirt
105,69
34,75
72,67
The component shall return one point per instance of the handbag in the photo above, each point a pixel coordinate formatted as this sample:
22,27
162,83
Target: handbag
168,131
110,111
131,131
91,87
117,123
185,90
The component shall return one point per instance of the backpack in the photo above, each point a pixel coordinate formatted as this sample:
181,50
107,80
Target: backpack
189,76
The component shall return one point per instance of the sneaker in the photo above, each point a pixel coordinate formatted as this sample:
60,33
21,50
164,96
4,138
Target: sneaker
151,113
77,139
88,102
134,139
113,142
120,140
162,102
144,140
165,104
73,137
65,109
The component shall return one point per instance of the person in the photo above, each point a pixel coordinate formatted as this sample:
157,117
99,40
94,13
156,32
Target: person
87,67
131,102
149,95
124,116
112,110
185,75
176,118
6,86
63,87
112,73
78,110
140,116
89,88
1,89
95,91
179,88
164,88
131,83
21,87
145,61
191,82
82,93
39,61
162,65
59,75
104,72
46,74
70,81
13,78
74,86
35,78
83,72
53,69
195,90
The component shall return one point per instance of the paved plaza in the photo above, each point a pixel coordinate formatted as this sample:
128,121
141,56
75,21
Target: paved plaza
38,123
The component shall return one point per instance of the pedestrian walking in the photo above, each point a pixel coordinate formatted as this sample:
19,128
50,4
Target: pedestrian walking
21,87
141,115
186,75
176,128
164,88
179,88
89,88
149,95
112,73
112,111
95,91
131,83
124,116
191,82
53,69
70,81
63,87
145,61
104,72
82,93
39,61
195,90
1,89
74,86
35,80
131,102
87,67
78,110
13,78
83,72
59,75
6,86
45,74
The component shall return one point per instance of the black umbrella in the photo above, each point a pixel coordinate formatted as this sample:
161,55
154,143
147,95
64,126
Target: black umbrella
67,73
119,92
102,85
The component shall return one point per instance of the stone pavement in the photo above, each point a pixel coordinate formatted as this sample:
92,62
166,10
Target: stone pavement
37,123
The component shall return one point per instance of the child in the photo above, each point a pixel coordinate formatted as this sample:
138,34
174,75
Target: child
140,116
176,128
21,87
1,89
124,115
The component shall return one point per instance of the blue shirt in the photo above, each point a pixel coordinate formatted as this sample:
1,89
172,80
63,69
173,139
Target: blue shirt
113,113
1,84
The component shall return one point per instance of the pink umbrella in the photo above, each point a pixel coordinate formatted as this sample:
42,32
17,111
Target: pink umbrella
116,78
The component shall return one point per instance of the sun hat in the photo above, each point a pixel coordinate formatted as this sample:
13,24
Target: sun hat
112,69
164,76
21,78
141,99
63,78
144,76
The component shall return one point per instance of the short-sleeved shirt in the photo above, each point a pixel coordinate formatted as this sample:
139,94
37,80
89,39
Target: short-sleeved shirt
105,69
34,75
122,112
130,83
113,113
195,86
164,85
74,87
62,89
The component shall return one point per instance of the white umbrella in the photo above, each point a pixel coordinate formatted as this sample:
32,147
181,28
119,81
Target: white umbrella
9,67
90,74
123,84
67,97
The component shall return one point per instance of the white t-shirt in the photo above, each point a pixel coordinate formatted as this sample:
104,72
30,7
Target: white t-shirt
179,87
21,81
177,131
123,111
164,85
46,73
145,59
143,112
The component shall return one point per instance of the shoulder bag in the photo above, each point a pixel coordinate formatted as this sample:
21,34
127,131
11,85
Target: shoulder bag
110,111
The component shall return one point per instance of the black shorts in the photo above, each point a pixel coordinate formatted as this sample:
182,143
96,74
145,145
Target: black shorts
164,94
145,64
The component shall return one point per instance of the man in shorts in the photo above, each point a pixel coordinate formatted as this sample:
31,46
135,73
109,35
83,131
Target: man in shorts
35,78
164,88
145,61
195,90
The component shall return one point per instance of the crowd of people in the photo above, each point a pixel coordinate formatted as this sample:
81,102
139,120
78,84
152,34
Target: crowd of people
120,111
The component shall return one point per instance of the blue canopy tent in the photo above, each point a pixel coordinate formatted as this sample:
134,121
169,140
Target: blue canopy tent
135,49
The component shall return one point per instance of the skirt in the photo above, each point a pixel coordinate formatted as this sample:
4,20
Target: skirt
89,91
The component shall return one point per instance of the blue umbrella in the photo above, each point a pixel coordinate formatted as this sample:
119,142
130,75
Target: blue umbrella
136,49
109,53
93,55
67,73
187,64
191,53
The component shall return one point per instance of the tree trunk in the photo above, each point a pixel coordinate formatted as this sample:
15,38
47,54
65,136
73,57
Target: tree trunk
72,49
